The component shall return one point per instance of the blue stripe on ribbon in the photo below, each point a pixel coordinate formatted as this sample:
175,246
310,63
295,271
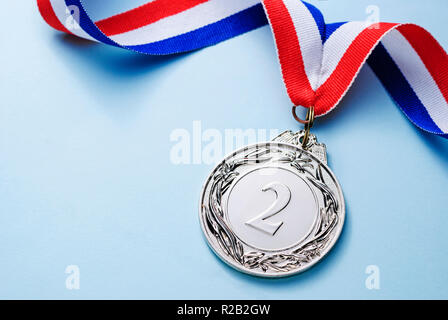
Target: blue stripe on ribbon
331,28
239,23
87,24
401,91
319,18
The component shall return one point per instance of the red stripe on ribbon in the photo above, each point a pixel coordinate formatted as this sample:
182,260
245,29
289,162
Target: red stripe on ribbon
47,12
431,52
290,54
332,91
144,15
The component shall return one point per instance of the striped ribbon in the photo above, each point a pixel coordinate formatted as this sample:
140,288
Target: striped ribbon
319,61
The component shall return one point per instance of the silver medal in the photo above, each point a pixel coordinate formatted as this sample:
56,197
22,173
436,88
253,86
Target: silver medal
273,209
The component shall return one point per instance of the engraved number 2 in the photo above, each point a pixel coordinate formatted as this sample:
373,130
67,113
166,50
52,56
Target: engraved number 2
283,197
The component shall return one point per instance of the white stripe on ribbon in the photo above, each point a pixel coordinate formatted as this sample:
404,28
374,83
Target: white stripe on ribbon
309,38
418,76
199,16
337,45
63,14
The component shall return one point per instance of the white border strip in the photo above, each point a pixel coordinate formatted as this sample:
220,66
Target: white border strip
309,38
337,45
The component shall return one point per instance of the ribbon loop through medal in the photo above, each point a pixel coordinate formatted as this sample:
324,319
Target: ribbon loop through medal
308,123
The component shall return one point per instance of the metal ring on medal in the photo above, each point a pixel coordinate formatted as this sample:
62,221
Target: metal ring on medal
272,209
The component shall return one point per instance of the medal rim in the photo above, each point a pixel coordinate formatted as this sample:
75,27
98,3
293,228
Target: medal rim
234,265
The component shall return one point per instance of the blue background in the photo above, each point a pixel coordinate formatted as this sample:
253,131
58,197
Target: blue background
86,177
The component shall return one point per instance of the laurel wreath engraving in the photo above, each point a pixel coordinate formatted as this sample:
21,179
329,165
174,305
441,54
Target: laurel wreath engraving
230,244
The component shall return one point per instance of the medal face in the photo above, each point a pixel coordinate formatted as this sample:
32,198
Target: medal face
272,209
